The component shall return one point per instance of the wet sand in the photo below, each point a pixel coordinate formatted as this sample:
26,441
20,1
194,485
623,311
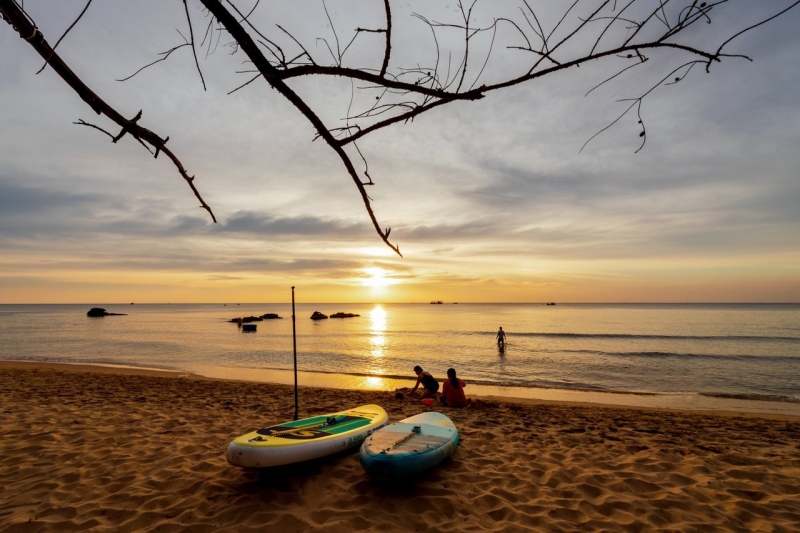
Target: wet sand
111,449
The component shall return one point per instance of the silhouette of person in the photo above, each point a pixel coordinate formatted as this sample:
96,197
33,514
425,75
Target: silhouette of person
501,337
429,384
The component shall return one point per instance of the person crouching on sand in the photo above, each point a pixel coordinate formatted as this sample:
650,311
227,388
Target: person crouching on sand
453,390
429,384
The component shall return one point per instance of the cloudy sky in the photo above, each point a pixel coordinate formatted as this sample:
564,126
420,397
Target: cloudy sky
489,201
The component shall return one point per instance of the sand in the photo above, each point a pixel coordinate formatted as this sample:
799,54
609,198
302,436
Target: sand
102,449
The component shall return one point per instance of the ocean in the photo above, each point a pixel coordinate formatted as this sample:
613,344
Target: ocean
671,355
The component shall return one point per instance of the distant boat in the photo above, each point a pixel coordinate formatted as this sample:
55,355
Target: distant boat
437,302
550,303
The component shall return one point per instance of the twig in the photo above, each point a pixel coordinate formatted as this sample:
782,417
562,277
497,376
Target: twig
47,60
191,41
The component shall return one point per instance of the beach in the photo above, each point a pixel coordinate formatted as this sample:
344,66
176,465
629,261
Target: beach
114,449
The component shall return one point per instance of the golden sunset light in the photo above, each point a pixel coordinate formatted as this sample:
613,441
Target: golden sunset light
377,278
348,265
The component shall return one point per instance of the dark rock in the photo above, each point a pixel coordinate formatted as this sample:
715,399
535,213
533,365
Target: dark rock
271,316
344,315
99,311
316,315
246,319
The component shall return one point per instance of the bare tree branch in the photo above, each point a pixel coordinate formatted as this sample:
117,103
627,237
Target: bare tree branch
388,50
269,72
587,31
27,30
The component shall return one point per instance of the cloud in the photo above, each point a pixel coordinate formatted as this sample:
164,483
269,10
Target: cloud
478,190
261,224
20,200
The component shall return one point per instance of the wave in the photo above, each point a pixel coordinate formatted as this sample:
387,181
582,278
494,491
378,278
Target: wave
752,396
683,355
582,387
520,383
100,361
629,336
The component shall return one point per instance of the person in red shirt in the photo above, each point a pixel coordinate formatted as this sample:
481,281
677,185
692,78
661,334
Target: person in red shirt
453,390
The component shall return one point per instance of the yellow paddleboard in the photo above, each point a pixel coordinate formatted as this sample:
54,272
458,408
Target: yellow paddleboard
306,439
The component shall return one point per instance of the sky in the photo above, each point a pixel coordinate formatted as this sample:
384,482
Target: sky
489,201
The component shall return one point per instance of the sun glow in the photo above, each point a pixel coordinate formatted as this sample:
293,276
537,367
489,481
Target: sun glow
377,278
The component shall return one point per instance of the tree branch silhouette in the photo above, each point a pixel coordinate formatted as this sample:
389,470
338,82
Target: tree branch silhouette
17,18
537,40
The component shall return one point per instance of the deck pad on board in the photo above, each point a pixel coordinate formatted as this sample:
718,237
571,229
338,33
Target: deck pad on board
316,427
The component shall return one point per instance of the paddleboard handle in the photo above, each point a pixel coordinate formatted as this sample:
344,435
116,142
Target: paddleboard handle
401,440
416,429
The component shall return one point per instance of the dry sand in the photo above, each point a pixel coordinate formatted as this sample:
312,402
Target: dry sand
104,449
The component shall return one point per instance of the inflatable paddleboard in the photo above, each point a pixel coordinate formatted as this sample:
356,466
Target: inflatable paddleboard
410,446
303,440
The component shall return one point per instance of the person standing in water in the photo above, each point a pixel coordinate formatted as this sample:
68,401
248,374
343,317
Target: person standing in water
501,338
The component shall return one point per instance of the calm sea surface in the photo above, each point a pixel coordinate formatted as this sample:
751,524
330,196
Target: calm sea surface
745,351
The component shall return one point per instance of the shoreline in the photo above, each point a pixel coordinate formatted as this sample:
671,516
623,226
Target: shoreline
679,360
128,450
688,403
678,401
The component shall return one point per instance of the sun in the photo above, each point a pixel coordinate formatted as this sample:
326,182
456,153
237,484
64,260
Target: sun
377,278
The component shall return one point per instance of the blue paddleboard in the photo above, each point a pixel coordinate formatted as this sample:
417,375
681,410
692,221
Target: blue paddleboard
410,446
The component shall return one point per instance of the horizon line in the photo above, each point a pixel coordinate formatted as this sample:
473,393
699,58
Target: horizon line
550,302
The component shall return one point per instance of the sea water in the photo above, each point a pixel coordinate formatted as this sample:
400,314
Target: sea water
733,351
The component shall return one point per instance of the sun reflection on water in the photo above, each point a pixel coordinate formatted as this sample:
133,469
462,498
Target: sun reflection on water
378,317
378,326
375,383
